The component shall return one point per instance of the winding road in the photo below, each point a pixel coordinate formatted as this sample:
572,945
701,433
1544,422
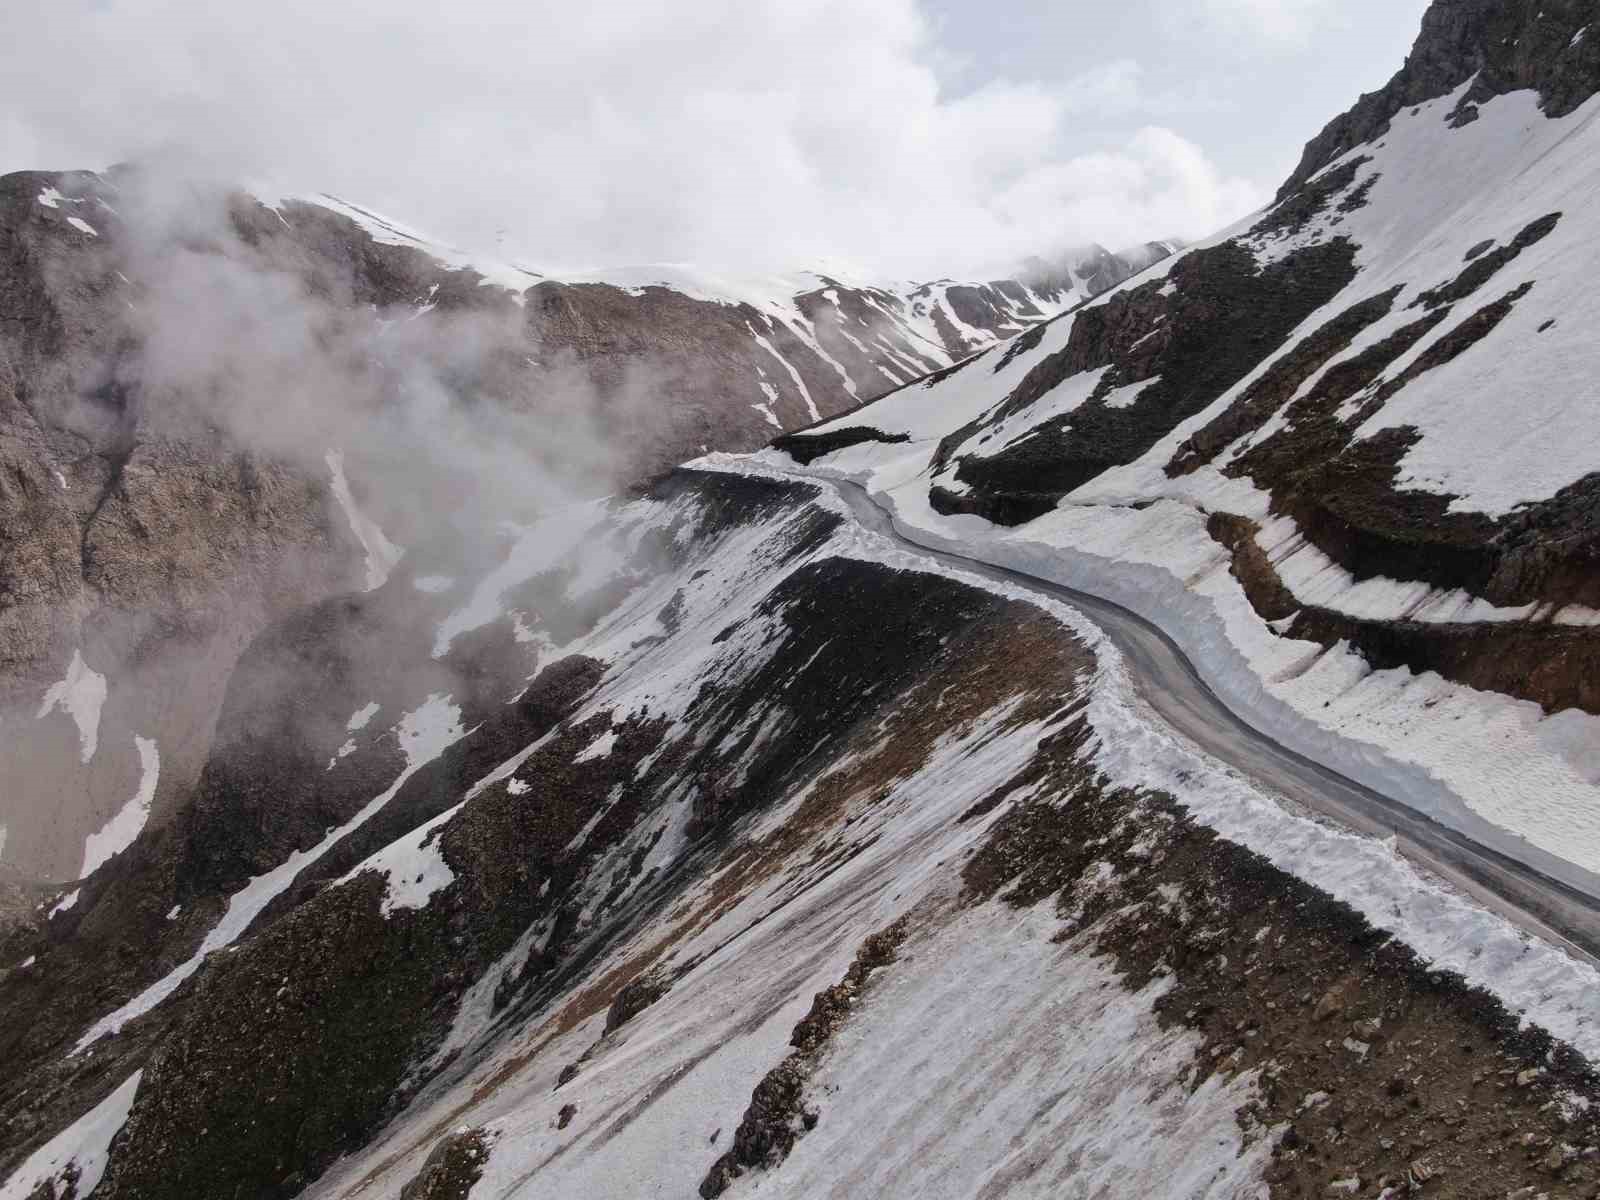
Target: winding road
1166,679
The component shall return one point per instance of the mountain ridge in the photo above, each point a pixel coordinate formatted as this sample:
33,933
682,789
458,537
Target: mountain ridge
702,839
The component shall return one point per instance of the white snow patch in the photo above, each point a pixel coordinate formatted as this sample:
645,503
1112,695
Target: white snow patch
800,384
765,408
83,226
1065,399
1125,396
414,865
806,332
382,554
599,748
85,1143
423,735
359,719
1510,419
117,834
1078,1082
66,902
512,277
80,694
927,412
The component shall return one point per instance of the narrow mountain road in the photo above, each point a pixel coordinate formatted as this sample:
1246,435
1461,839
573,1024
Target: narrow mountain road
1165,678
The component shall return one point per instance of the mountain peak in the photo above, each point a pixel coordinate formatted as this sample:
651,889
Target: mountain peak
1499,45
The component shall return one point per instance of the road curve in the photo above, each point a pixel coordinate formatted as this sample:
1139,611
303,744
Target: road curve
1165,678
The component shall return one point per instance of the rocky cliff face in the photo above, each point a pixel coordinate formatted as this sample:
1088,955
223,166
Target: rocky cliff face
136,547
729,364
1498,46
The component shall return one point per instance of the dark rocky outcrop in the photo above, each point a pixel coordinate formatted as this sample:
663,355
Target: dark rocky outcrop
1502,45
1485,264
455,1164
1374,1064
805,448
778,1115
1343,494
634,998
1192,337
1280,383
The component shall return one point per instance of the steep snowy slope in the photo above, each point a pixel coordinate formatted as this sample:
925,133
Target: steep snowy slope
748,854
1344,453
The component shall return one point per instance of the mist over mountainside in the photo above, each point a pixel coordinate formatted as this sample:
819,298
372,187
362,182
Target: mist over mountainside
216,407
424,790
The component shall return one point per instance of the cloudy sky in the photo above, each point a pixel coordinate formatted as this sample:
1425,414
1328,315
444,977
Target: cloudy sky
908,137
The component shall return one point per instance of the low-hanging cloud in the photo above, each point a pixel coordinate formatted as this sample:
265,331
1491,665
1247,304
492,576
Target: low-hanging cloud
446,423
739,134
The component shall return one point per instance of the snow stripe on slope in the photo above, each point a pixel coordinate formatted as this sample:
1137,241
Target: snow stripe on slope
423,735
117,834
86,1144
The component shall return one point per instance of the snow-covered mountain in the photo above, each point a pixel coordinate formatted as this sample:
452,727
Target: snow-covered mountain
731,359
748,834
1343,452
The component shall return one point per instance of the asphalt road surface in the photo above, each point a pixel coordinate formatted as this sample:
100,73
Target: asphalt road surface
1549,908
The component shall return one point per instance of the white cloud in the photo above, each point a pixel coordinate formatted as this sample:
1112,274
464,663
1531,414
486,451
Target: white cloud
731,132
1158,184
1285,22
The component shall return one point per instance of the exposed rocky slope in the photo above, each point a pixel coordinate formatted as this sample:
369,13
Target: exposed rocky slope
177,366
1344,451
797,859
133,544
